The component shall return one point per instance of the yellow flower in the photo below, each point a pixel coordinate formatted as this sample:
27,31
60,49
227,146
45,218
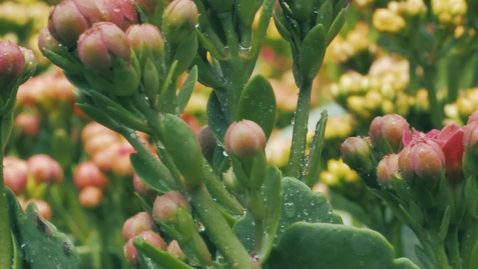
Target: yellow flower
386,21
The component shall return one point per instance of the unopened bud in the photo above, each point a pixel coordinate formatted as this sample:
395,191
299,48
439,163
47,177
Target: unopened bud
90,196
473,117
357,154
207,141
244,138
15,174
165,207
388,129
147,43
12,64
28,124
136,224
149,237
87,173
175,250
45,169
179,20
66,23
386,169
142,188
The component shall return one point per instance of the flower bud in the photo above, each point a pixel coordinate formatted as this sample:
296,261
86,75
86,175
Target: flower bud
28,124
87,174
136,224
473,117
357,154
66,23
30,64
388,129
44,169
12,64
422,159
43,208
90,196
147,43
470,138
149,237
119,12
175,250
207,141
100,142
244,138
386,169
165,206
179,20
100,46
15,174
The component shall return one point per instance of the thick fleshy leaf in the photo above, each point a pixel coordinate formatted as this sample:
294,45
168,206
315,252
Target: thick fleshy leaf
258,103
152,172
315,246
216,119
187,89
162,258
312,52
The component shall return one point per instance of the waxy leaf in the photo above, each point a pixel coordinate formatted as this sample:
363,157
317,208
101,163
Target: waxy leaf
312,52
152,172
258,103
317,245
216,118
187,90
162,258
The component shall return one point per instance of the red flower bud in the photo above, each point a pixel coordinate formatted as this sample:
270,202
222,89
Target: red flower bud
12,63
90,196
15,174
387,168
136,224
101,45
45,169
175,250
179,20
244,138
166,206
66,23
142,188
88,174
470,138
119,12
389,128
357,154
28,124
149,237
473,117
147,43
422,159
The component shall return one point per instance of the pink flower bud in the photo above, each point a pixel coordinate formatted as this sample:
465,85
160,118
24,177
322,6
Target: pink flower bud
147,43
244,138
43,207
100,142
175,250
387,168
94,129
47,42
166,206
44,169
88,174
142,188
90,196
473,117
28,124
357,154
30,62
470,138
119,12
207,141
101,45
179,20
66,23
149,237
389,128
12,64
15,174
136,224
422,159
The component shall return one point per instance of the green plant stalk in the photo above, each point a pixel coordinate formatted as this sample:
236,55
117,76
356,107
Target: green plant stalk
453,247
316,151
219,230
5,236
436,110
299,133
468,242
434,249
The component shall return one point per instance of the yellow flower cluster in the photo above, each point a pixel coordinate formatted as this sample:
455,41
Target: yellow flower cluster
465,104
339,128
338,173
449,12
357,41
393,18
381,91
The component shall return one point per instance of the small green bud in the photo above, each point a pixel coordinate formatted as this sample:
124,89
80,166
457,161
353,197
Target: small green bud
357,154
179,20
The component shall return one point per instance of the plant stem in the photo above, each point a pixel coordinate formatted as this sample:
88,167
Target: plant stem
218,230
299,134
468,242
5,236
453,247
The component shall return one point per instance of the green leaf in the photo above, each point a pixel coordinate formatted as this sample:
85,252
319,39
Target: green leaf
152,172
334,246
336,26
471,195
316,151
187,89
445,223
258,103
207,75
99,116
43,246
312,52
324,16
216,118
299,203
162,258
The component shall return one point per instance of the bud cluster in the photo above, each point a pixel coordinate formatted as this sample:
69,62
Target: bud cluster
394,18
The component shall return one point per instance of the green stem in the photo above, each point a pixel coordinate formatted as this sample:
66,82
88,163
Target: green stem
453,247
434,249
436,110
299,133
5,236
219,230
468,242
